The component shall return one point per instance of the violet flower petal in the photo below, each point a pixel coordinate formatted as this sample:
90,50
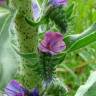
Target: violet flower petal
52,35
58,2
15,89
36,9
59,47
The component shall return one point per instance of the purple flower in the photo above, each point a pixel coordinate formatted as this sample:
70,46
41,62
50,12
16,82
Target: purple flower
16,89
2,2
36,9
52,43
58,2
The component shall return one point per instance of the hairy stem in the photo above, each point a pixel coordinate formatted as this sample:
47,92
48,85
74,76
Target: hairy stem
27,42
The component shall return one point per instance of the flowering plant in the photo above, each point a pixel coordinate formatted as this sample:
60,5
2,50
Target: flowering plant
53,43
39,40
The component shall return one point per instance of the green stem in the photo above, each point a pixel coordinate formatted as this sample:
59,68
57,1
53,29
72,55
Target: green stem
27,42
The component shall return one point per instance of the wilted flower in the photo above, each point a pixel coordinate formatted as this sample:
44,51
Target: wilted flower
16,89
52,43
58,2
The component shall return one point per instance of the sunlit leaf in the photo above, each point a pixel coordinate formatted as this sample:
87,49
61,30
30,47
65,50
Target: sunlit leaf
78,41
4,14
89,88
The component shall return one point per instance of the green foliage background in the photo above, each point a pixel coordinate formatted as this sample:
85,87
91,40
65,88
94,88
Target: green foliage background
77,65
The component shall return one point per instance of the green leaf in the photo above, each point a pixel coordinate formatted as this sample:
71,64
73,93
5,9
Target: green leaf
7,56
0,70
58,59
78,41
56,16
47,64
5,19
56,88
31,57
89,88
31,22
69,10
4,13
8,64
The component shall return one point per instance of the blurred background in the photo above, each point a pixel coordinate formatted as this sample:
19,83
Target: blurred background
77,65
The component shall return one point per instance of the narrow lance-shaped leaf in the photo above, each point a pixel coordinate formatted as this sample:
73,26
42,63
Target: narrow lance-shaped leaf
89,88
6,54
69,11
77,41
4,13
5,20
31,57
